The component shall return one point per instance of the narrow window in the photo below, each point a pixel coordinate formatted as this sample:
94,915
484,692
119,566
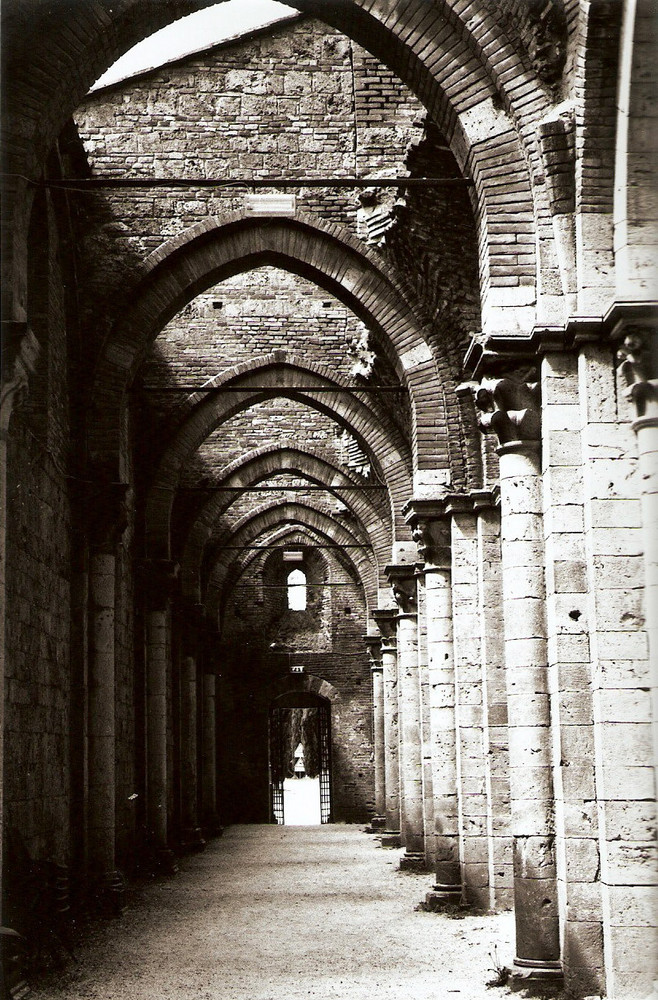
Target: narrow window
297,590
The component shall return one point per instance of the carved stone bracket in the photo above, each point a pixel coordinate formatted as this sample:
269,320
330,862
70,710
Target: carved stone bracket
403,587
638,355
512,410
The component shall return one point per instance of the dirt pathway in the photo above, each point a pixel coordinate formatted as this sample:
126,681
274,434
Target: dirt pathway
267,913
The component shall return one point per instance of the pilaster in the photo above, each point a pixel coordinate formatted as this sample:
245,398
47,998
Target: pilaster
373,646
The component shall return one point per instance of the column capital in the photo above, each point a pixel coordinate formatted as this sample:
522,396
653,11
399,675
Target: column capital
511,410
20,349
159,577
385,619
107,513
373,644
638,356
402,578
430,530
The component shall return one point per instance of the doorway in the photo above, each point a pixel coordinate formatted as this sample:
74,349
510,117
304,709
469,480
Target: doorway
300,759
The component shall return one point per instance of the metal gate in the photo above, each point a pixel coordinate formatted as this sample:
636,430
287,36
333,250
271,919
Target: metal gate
276,767
278,764
324,724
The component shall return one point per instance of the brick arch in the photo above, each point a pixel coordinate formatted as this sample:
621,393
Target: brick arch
267,463
320,251
302,683
267,516
290,535
274,377
461,67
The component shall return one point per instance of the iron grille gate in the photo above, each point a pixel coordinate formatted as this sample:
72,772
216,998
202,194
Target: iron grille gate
324,724
278,764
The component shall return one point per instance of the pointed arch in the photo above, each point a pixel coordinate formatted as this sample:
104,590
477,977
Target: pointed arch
386,450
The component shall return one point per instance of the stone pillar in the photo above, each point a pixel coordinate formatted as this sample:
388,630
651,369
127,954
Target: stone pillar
209,756
373,644
431,531
159,576
639,357
107,522
191,837
386,623
411,779
512,412
20,349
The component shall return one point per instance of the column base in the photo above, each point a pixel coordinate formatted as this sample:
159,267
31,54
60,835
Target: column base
192,839
390,838
107,894
164,861
212,828
377,824
445,897
547,975
413,861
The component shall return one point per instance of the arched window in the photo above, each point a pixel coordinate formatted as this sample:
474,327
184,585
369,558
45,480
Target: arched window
297,590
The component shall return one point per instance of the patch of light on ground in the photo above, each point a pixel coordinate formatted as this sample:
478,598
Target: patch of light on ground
301,802
193,33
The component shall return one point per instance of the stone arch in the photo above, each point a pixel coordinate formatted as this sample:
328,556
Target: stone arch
264,463
320,251
386,449
301,683
444,56
255,524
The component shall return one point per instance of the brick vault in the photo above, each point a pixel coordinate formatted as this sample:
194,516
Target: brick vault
360,303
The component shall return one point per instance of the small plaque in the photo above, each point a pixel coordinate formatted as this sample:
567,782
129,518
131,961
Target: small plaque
269,204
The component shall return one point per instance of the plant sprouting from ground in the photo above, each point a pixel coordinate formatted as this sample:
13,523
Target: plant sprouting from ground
501,972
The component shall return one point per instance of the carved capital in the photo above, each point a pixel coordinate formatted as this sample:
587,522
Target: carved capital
403,587
638,355
159,578
20,349
510,409
107,509
373,644
385,619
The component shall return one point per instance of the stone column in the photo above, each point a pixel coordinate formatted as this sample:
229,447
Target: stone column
209,756
191,831
107,522
639,357
373,645
511,410
411,779
159,576
386,623
431,531
20,350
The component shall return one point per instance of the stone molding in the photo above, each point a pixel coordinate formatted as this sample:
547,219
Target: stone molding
500,354
430,521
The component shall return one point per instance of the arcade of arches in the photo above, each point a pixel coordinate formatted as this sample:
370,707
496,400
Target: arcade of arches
329,421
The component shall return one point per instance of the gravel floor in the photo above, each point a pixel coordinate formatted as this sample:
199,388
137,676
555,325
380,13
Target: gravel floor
268,912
